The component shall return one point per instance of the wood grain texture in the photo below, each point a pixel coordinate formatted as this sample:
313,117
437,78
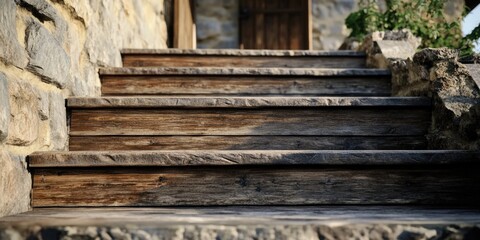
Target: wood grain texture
275,24
184,31
101,143
254,186
119,85
273,216
359,121
150,60
273,158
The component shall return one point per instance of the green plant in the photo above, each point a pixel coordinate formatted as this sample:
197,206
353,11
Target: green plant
425,18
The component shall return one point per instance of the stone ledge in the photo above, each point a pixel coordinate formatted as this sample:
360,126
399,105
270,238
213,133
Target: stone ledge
244,52
309,222
245,71
252,157
247,102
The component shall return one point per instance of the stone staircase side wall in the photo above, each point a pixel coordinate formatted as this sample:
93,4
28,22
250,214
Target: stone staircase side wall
435,73
50,50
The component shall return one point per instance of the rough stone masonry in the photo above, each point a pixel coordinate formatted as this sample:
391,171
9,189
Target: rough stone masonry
50,50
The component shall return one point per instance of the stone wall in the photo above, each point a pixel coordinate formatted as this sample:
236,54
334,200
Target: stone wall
438,74
50,50
435,73
217,23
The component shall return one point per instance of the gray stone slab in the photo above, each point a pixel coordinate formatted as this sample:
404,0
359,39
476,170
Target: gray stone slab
243,52
245,71
4,107
16,184
58,121
45,11
47,57
391,49
10,51
253,157
474,70
24,113
246,102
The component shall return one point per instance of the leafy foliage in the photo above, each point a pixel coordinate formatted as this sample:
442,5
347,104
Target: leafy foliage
425,18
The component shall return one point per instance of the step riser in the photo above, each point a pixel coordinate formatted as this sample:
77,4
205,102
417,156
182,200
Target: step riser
103,143
254,186
245,85
332,121
132,60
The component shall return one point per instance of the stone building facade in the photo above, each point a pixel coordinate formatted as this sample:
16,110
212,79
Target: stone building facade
217,22
50,50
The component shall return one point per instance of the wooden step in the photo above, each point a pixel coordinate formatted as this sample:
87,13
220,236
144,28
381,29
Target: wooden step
169,123
196,178
265,222
241,58
245,81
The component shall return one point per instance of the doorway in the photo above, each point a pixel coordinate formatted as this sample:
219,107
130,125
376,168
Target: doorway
275,24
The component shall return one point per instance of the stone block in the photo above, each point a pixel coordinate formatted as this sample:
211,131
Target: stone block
15,184
474,70
58,122
430,55
392,49
44,104
4,108
44,11
208,27
24,108
47,57
11,51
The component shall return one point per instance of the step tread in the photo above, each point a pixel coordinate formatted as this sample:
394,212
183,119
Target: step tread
234,216
244,71
243,52
245,101
252,157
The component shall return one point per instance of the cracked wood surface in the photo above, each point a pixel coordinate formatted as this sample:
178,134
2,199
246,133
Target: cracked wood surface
245,85
255,185
253,157
251,215
116,142
356,121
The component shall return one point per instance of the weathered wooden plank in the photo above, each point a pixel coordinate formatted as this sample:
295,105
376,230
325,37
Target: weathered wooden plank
271,216
254,186
253,216
244,85
355,121
101,143
245,102
184,31
258,28
254,157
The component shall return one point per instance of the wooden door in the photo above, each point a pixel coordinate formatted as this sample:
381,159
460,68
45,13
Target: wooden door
275,24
